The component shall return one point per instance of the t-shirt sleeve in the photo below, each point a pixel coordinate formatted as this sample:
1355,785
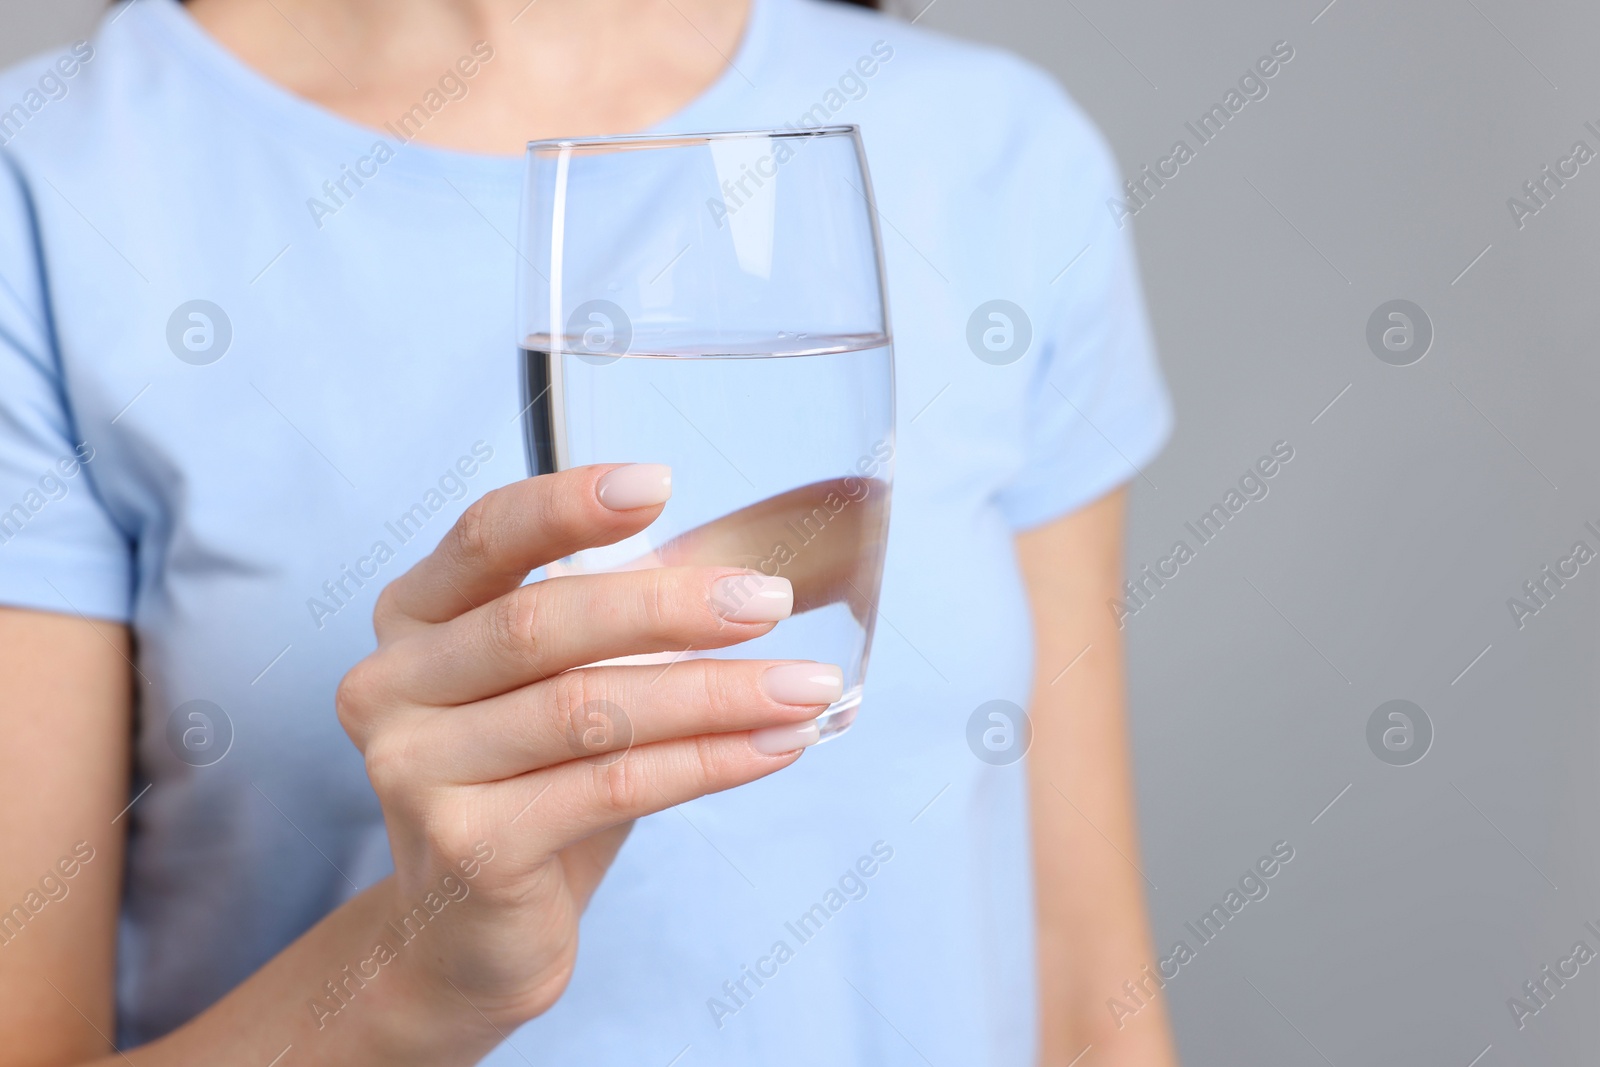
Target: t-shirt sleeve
59,549
1097,410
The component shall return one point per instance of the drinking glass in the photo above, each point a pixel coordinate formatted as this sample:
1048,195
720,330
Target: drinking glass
715,302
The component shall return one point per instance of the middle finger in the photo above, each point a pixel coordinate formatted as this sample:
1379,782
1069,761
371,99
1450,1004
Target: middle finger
540,630
598,713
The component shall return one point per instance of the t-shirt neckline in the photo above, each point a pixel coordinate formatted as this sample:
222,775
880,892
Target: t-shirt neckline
309,123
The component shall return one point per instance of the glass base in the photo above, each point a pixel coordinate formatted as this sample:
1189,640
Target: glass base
840,714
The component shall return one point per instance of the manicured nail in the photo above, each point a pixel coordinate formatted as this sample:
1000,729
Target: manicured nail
638,485
776,740
752,598
803,683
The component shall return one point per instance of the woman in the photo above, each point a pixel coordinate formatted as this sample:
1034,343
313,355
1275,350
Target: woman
256,325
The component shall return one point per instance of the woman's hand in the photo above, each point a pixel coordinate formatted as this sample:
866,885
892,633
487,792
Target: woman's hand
508,770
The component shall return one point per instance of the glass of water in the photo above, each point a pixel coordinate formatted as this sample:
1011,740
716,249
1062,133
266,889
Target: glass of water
715,302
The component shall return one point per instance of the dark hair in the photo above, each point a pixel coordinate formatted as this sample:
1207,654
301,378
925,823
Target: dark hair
862,3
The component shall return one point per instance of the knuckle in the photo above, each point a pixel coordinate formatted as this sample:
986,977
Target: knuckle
723,687
572,694
471,538
708,763
388,762
517,619
623,787
655,600
667,602
355,698
452,834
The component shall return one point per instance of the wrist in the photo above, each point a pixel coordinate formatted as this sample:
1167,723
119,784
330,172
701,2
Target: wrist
389,986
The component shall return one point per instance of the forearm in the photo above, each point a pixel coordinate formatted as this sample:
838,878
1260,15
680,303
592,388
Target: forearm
329,997
1093,937
1093,933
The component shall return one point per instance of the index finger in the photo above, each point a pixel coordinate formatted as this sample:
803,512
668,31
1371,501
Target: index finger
513,530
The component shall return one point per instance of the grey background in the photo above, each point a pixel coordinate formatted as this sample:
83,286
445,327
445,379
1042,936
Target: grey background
1380,564
28,26
1382,560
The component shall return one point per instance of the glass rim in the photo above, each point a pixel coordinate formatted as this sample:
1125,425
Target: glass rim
680,140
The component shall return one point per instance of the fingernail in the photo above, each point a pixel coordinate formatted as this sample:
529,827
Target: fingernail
752,598
638,485
776,740
803,683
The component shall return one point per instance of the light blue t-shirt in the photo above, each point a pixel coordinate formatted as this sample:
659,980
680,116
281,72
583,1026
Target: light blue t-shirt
229,371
